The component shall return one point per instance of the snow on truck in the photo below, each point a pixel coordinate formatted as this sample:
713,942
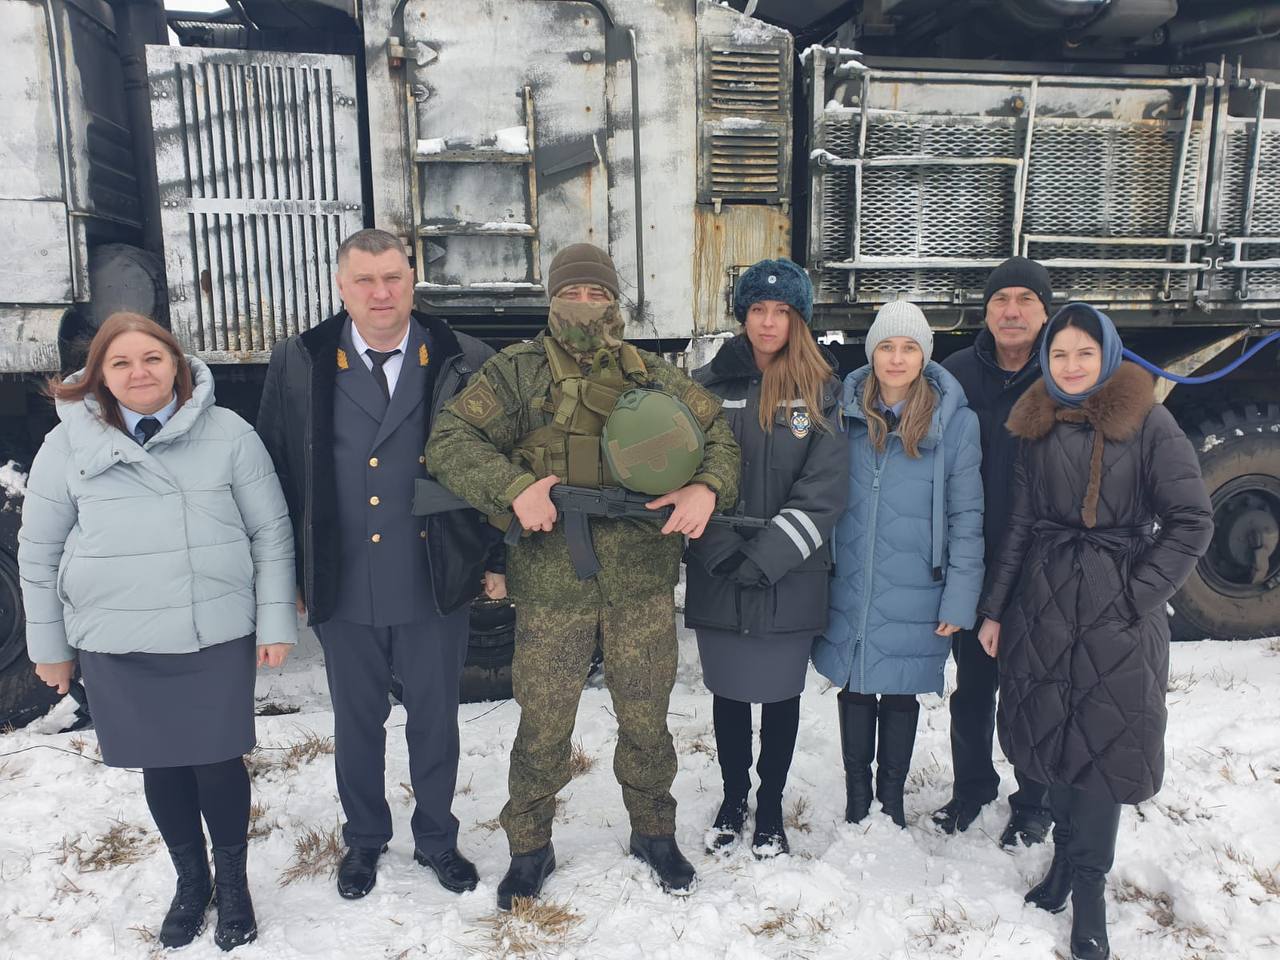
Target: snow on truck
202,168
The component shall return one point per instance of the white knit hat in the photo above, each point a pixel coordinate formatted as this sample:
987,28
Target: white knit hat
901,318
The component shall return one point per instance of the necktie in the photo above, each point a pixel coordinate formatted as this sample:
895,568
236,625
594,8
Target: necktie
379,357
148,427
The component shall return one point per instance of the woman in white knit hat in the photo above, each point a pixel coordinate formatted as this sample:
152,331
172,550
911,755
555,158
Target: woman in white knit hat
908,552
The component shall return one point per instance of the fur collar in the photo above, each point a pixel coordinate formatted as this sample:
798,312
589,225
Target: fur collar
1117,411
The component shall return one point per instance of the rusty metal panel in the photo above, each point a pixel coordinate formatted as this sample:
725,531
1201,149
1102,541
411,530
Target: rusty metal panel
258,161
725,244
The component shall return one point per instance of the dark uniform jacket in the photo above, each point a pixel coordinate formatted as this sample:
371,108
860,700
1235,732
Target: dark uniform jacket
1081,582
992,391
295,421
796,475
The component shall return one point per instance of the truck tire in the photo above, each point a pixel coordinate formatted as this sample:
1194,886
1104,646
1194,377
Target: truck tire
23,696
1234,592
492,644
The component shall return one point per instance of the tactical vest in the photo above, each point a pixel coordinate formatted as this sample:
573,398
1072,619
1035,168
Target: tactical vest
569,446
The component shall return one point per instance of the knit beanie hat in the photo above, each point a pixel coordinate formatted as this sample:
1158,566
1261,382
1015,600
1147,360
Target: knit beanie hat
901,318
779,280
582,263
1020,272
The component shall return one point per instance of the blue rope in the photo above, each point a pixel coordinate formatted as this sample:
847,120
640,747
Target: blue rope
1208,377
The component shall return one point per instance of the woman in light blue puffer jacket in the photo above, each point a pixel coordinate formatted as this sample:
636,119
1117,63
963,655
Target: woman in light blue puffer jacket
155,542
907,551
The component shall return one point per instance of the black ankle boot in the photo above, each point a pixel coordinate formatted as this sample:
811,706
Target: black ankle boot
1055,886
675,874
893,758
727,827
236,922
1089,921
858,748
185,918
526,875
770,838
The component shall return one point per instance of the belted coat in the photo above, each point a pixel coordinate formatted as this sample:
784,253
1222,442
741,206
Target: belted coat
1080,584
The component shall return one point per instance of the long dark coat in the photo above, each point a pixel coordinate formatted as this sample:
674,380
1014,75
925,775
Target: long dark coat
1080,584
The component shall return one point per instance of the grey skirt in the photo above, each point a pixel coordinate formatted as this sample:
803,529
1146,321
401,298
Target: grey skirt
754,668
172,709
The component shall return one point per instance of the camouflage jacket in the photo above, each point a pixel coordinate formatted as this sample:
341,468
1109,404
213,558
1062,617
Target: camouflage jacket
470,449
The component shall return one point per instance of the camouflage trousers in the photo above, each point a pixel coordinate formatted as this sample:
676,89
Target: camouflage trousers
552,656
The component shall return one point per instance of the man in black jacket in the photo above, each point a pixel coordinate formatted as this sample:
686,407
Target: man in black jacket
995,371
346,411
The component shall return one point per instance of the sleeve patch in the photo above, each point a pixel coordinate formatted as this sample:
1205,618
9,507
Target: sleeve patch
477,404
702,403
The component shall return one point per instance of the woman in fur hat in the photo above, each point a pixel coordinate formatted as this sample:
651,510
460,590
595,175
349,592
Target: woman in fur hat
1075,604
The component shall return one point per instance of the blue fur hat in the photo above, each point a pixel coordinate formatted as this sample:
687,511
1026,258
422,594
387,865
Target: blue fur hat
773,280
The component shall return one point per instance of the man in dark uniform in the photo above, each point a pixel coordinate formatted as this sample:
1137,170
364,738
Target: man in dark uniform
1002,363
346,410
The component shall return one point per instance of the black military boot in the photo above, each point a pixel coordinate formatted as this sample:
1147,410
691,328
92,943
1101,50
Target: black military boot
191,899
236,922
1055,886
893,756
675,874
526,875
858,747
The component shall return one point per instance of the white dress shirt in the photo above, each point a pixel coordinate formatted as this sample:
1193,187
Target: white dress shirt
392,367
132,418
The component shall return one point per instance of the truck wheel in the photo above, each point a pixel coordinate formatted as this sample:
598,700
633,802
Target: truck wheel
23,696
487,673
1234,592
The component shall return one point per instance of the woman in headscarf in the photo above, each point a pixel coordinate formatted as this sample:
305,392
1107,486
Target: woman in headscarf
1075,603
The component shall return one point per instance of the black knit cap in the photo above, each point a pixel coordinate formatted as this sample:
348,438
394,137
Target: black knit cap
582,263
1020,272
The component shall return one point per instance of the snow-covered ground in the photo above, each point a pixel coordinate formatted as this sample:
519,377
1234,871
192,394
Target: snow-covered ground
1197,874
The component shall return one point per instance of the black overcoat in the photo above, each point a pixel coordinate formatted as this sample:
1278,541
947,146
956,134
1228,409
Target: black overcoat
1081,580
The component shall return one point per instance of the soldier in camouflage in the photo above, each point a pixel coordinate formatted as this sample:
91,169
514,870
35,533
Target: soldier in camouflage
531,416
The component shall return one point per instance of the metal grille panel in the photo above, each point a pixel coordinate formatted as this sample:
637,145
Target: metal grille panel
746,79
1265,221
745,163
258,162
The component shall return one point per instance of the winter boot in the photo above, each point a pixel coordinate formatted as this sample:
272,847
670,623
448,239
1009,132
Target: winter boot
185,918
858,747
236,922
1089,922
957,815
526,875
893,756
732,722
674,873
779,722
1027,826
1053,889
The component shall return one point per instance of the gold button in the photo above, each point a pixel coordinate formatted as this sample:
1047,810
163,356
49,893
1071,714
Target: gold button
422,459
373,461
376,538
422,534
374,501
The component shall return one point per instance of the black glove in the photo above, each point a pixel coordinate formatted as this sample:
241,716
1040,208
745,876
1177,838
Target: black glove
749,575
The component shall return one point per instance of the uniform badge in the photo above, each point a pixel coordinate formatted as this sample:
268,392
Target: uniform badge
800,424
702,403
423,357
342,360
477,404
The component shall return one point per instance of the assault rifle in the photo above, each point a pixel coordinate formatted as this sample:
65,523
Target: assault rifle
577,505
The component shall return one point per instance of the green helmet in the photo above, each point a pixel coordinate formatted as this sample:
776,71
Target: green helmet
651,442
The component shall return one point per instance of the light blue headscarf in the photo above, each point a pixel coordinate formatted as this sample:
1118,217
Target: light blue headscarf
1112,354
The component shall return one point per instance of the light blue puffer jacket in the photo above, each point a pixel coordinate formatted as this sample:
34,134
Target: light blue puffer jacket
165,548
908,549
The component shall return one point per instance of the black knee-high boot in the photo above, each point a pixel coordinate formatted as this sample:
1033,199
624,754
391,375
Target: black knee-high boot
173,798
779,723
732,722
897,720
1095,822
858,748
1055,886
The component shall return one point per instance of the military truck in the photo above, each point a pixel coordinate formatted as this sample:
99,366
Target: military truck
203,168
